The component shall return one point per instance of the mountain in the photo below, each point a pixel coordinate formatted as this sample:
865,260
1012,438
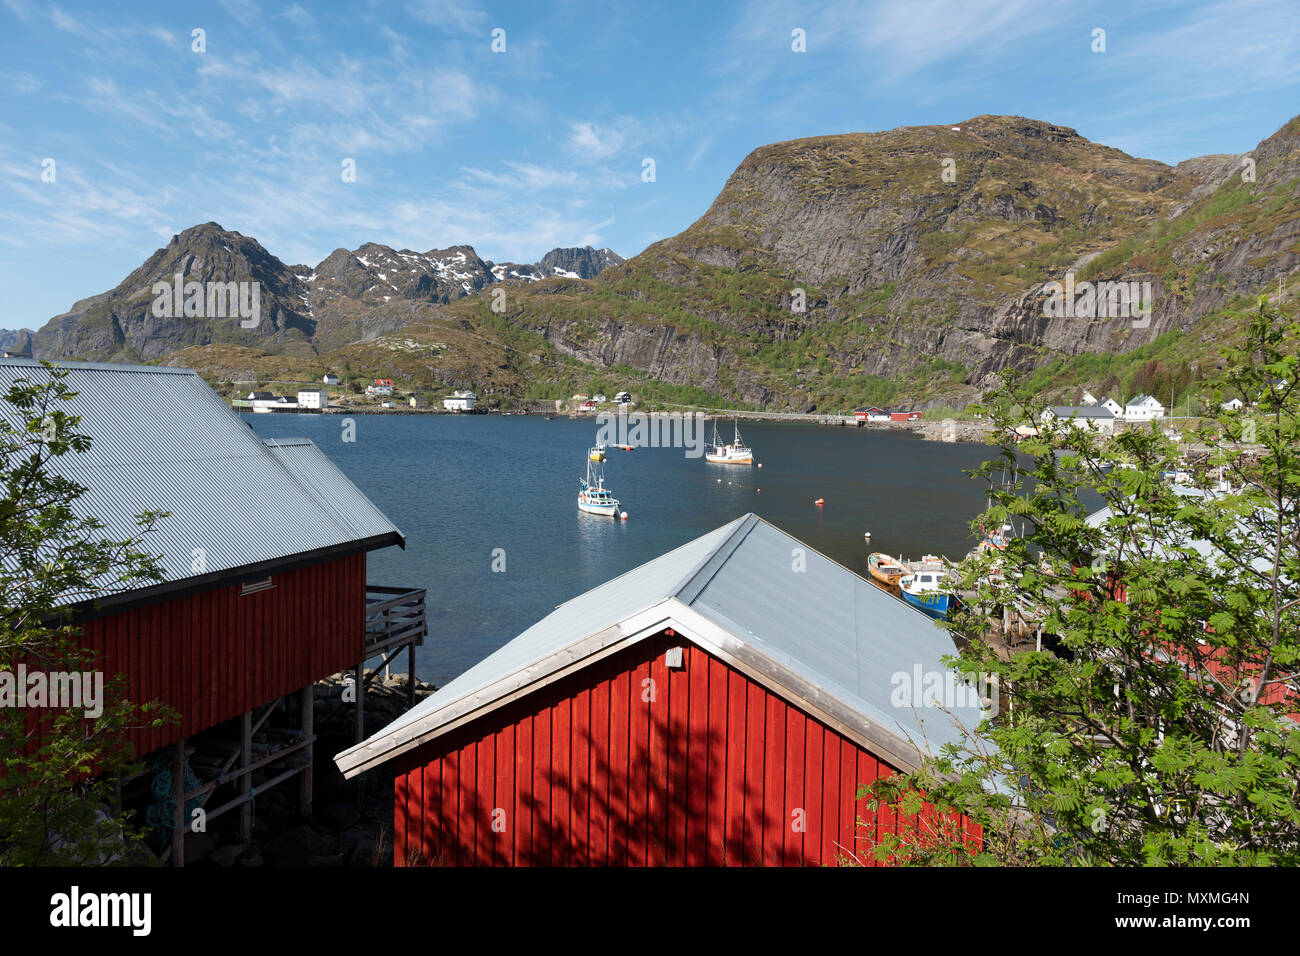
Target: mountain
16,340
920,286
907,266
351,296
573,263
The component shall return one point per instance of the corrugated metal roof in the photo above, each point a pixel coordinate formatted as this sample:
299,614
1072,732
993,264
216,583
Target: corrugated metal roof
811,627
162,440
1081,411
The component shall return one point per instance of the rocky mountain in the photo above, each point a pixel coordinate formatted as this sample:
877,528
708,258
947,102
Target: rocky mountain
918,258
351,296
572,263
909,265
138,321
16,340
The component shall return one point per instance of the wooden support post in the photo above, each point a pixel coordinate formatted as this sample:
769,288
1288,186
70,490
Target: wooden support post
410,675
307,700
178,794
246,779
360,716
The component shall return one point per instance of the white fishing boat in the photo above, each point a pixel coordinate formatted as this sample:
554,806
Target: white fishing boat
735,452
593,498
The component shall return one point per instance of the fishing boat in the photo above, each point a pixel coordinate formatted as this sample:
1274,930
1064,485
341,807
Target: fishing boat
592,496
597,453
995,540
924,591
735,452
885,569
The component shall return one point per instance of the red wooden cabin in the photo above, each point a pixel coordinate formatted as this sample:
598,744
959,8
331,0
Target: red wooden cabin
719,705
263,559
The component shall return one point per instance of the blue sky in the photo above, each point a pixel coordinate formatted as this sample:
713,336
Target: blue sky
542,145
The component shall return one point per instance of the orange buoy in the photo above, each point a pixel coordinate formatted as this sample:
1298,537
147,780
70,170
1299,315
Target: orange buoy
819,502
623,516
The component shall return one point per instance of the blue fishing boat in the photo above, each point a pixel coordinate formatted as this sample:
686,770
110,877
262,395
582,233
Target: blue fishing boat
924,591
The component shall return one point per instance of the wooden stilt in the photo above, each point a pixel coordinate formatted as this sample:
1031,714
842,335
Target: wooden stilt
307,701
246,780
410,676
178,794
360,718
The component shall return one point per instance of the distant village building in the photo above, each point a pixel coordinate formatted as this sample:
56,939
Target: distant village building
261,396
707,708
330,379
1233,405
904,416
1098,418
1143,408
460,401
1088,398
598,398
313,398
420,400
623,398
871,414
1114,407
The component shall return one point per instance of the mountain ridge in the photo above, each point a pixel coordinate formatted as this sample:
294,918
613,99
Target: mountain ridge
907,264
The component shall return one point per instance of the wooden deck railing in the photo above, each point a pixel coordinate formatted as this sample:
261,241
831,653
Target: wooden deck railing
394,617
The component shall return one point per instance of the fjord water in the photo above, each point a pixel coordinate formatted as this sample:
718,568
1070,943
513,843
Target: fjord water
461,487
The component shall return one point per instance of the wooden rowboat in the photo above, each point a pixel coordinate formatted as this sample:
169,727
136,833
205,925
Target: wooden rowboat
885,569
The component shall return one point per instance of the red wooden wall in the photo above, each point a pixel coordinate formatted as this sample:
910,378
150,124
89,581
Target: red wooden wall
214,655
711,772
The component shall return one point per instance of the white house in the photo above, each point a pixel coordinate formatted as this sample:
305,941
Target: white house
1143,408
1096,417
459,401
330,379
623,398
313,398
1088,398
280,402
1233,405
1113,405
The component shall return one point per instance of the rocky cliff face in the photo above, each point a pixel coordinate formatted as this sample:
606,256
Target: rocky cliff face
932,246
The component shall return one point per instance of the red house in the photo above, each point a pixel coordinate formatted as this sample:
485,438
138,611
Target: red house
264,580
904,416
719,705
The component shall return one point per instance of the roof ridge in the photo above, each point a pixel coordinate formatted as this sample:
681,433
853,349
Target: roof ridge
698,577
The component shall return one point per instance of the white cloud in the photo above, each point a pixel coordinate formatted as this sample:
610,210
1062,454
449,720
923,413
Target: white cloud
593,142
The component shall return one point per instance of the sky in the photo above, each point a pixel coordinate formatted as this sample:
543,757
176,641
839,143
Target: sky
120,126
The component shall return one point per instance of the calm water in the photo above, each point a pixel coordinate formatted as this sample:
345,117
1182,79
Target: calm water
461,486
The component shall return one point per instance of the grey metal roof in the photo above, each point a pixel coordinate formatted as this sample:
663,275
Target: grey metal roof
162,440
822,637
1245,535
1081,411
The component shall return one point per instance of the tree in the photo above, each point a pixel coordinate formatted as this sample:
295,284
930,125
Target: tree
56,766
1156,731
